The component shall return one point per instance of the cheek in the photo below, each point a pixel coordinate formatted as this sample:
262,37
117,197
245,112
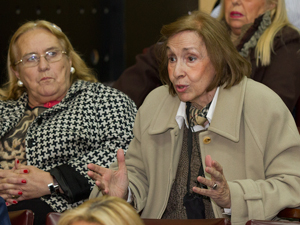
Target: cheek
170,73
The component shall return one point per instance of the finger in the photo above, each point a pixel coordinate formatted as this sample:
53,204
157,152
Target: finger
217,166
204,181
215,175
202,191
208,161
121,159
100,185
13,181
11,193
93,175
17,163
12,201
21,171
97,169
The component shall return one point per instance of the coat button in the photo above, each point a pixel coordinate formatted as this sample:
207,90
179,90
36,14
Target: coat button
206,140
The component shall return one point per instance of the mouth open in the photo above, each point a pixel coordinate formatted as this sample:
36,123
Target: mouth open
181,88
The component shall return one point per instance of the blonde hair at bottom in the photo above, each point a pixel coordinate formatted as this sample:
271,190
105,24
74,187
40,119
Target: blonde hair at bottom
105,210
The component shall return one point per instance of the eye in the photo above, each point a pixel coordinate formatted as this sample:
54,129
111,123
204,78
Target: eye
192,58
171,59
51,54
31,58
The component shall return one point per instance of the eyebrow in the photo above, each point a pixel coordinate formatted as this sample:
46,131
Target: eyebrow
46,50
184,49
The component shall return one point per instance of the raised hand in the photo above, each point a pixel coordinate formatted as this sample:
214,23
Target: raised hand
111,182
219,190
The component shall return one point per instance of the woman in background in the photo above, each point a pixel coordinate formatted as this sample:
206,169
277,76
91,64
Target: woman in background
261,32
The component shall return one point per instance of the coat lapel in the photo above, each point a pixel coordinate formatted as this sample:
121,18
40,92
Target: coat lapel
164,116
229,103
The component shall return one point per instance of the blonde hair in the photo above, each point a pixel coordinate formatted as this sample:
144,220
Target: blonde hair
264,45
229,65
105,210
11,90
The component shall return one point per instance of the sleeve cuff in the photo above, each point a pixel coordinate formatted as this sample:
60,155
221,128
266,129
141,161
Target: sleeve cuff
129,199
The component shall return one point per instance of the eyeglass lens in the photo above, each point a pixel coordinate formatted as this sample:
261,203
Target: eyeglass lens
33,59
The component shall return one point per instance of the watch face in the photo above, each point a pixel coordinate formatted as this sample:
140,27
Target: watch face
51,188
54,189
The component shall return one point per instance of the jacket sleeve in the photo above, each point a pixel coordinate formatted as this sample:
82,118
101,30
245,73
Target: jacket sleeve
283,74
278,156
138,181
74,185
109,128
141,78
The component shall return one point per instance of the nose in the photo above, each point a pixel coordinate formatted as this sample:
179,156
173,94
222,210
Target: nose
179,70
235,2
43,63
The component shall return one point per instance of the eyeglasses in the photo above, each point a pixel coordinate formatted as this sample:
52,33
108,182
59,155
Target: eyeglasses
31,60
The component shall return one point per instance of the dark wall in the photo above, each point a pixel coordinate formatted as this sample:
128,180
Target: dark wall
144,19
116,29
91,25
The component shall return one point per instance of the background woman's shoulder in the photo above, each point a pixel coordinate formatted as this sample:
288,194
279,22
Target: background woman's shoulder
285,36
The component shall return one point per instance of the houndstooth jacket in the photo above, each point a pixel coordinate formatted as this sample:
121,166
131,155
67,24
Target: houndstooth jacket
87,126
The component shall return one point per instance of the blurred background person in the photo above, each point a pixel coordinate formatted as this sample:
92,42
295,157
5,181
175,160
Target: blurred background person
55,118
262,33
106,210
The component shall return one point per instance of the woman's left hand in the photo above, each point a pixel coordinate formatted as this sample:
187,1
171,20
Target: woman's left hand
221,193
30,181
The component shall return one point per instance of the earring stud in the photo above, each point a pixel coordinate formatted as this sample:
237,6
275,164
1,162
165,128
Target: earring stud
72,70
20,83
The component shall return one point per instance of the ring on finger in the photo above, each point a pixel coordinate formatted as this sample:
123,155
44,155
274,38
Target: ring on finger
215,186
15,196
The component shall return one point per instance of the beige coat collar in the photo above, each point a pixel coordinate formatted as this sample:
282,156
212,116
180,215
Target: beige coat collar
164,116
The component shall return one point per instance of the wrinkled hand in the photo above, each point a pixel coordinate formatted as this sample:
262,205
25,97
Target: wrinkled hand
220,195
23,182
111,182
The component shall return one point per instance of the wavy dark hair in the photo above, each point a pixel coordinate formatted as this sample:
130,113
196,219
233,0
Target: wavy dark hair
229,65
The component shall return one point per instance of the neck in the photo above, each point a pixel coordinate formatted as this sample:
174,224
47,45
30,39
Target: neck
234,37
47,104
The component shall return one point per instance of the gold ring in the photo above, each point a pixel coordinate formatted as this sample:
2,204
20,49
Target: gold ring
15,196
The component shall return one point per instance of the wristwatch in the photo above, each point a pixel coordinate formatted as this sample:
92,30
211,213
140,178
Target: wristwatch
54,187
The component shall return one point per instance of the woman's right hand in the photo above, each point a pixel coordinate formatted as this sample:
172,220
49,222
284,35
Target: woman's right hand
111,182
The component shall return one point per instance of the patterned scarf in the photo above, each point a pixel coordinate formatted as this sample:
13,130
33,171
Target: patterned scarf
197,116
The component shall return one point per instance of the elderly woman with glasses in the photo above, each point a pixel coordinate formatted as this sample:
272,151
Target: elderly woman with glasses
55,118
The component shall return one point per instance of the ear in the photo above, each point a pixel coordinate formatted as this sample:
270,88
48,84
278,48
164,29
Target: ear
15,72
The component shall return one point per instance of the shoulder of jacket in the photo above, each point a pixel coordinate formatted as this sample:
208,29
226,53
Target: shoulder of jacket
285,36
158,97
261,98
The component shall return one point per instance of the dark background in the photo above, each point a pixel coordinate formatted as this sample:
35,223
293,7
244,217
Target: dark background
116,29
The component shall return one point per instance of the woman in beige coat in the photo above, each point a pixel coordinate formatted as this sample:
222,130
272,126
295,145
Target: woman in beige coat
241,161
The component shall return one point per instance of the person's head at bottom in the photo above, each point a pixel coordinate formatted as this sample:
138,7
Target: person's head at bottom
105,210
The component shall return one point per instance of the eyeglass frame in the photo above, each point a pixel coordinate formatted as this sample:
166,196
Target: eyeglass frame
21,60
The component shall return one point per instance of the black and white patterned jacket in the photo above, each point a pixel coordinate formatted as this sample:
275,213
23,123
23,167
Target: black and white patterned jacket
87,126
